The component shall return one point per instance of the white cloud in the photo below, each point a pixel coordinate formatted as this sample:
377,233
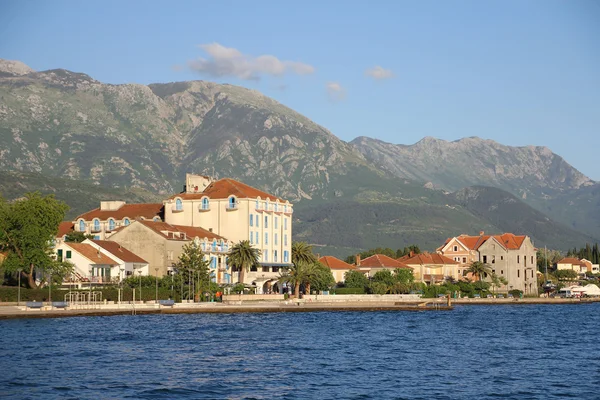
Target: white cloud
226,61
378,72
335,91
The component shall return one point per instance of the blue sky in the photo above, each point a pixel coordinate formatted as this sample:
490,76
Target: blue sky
518,72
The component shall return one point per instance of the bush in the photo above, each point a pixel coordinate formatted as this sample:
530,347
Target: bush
349,290
515,292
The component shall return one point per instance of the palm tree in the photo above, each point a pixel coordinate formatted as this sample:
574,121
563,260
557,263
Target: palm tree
299,273
479,269
243,256
304,260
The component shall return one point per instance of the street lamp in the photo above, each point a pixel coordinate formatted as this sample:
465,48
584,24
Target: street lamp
19,290
156,280
140,273
90,291
121,294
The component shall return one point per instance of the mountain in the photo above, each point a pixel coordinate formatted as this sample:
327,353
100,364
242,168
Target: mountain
535,174
118,139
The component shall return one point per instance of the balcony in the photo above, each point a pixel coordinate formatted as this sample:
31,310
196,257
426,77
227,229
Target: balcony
175,209
433,278
203,207
232,207
96,229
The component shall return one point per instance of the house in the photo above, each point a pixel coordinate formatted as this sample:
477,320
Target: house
508,255
128,262
575,264
90,264
238,212
431,268
104,221
378,262
338,267
161,244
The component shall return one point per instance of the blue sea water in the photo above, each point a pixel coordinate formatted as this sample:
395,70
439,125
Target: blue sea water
472,352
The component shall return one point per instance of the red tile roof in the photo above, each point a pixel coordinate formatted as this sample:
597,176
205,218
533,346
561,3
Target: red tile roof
131,211
381,261
190,231
571,260
64,228
335,263
223,188
119,251
428,259
95,256
507,240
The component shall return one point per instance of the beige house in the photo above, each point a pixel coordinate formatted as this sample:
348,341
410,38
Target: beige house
378,262
575,264
102,222
239,212
338,267
161,244
510,256
431,268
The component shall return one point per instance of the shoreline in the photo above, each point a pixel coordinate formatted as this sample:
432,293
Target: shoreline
427,305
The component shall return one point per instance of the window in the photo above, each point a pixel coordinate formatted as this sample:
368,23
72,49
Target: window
276,222
275,256
267,205
257,204
266,256
178,205
285,240
97,237
531,259
518,259
111,224
275,239
156,219
231,202
96,225
266,222
518,273
251,219
285,256
464,260
265,269
257,219
126,221
493,259
251,238
455,248
257,238
68,254
59,254
485,259
501,258
266,238
214,245
276,207
285,208
501,272
285,224
205,203
81,226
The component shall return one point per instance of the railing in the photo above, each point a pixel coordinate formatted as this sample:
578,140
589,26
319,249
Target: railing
231,207
96,229
175,209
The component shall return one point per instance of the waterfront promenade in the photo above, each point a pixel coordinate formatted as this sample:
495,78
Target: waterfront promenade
11,311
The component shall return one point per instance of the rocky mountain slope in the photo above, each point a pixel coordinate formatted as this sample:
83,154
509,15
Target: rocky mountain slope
68,125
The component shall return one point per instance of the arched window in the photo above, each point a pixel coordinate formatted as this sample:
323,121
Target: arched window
231,202
214,245
111,224
81,225
276,206
126,222
205,203
178,205
267,205
257,204
96,224
266,222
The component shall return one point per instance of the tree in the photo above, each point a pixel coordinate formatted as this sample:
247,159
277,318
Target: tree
298,274
192,263
479,269
321,279
302,252
565,274
28,228
498,281
355,279
77,237
243,256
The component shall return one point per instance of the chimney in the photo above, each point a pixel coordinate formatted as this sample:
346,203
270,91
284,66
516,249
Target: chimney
210,229
411,254
481,233
358,260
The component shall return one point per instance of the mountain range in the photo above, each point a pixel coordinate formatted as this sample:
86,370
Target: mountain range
137,141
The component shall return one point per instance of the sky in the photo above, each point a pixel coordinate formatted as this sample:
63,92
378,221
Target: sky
517,72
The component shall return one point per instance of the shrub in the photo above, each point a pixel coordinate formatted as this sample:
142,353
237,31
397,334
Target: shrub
349,290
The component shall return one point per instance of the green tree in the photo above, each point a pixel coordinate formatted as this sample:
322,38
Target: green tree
193,267
355,279
299,273
565,274
497,281
28,228
77,237
243,256
479,269
302,252
322,278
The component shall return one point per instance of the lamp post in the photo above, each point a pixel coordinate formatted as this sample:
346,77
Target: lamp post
19,290
121,294
140,273
156,280
50,290
90,291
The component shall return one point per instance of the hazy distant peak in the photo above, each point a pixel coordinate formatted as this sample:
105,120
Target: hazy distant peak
14,68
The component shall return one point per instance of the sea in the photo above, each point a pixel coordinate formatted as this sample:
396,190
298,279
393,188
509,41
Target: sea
471,352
